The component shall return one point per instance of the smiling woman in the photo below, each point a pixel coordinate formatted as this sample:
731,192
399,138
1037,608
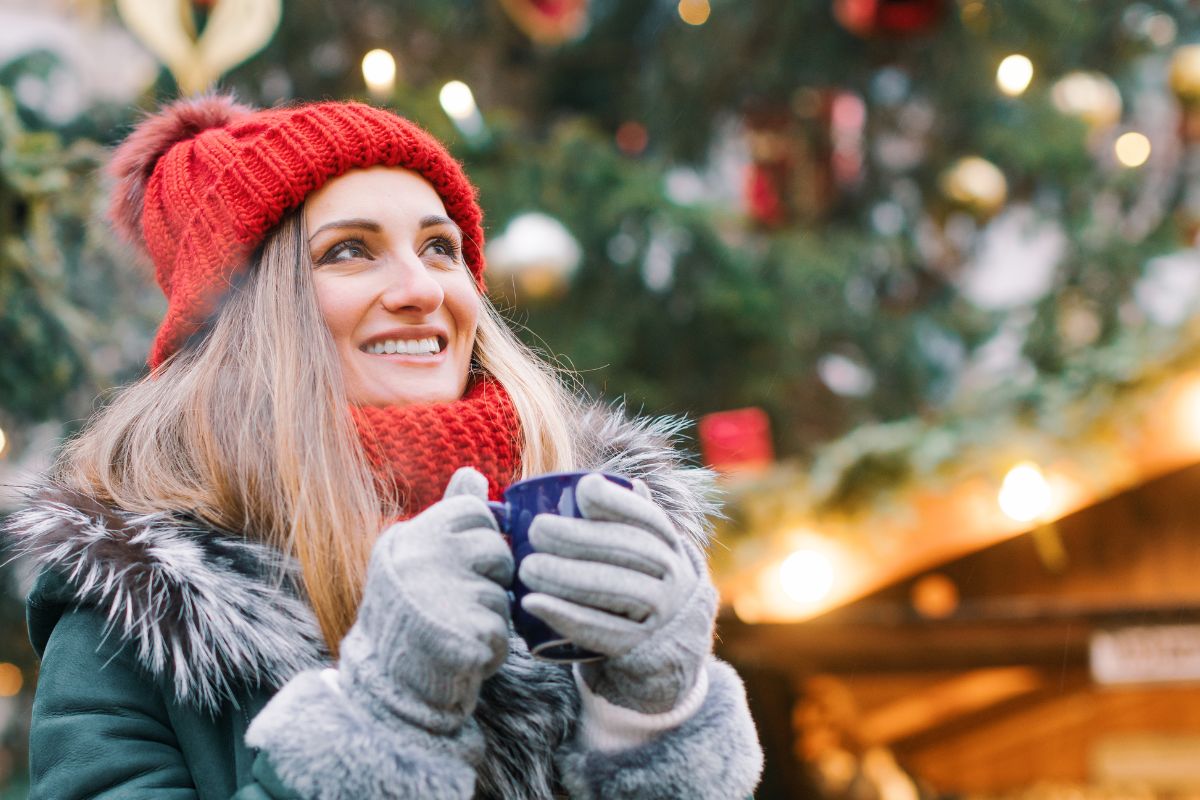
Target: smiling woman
391,283
268,569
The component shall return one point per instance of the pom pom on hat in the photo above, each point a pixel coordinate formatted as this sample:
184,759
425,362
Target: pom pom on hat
134,160
199,185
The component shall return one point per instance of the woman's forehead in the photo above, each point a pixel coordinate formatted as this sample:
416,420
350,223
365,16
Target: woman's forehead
373,192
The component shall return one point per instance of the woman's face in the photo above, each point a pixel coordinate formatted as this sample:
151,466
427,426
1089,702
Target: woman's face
392,286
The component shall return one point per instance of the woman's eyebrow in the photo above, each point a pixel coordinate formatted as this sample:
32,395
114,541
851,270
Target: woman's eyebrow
362,224
437,219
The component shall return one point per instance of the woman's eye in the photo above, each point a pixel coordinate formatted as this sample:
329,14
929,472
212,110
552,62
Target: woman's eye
348,250
444,246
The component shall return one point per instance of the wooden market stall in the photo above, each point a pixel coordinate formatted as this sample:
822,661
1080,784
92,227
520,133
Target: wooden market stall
1019,617
997,671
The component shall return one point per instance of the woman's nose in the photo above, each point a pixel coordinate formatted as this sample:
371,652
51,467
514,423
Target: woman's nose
411,287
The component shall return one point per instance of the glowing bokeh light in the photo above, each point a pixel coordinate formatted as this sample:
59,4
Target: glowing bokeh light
1014,74
807,576
458,101
1091,96
379,72
694,12
1132,149
11,679
1024,493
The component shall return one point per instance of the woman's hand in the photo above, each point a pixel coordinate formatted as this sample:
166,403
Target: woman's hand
433,622
622,582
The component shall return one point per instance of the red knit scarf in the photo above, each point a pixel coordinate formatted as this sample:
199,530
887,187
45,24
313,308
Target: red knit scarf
417,448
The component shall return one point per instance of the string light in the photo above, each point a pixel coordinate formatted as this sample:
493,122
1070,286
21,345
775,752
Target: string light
10,679
379,72
458,101
1132,149
694,12
807,575
1185,412
1014,74
1024,493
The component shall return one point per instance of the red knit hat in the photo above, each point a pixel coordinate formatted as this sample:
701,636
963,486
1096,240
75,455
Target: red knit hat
201,183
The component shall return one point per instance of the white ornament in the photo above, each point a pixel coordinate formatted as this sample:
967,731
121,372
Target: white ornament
536,252
1016,261
1170,288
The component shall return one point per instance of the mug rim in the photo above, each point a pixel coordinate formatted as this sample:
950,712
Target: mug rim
621,480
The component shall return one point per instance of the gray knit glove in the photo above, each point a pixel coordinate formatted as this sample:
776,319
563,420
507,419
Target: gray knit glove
433,622
623,582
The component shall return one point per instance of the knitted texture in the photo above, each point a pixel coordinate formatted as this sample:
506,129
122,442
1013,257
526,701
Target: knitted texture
417,448
201,183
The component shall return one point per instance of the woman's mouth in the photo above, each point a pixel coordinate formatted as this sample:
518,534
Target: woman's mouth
426,346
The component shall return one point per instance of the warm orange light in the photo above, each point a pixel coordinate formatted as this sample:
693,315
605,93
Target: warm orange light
10,679
694,12
935,596
1185,413
807,575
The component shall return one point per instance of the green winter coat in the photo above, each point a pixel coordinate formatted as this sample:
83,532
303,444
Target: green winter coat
164,642
91,688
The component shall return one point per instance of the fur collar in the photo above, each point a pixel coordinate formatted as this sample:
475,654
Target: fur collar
210,611
214,612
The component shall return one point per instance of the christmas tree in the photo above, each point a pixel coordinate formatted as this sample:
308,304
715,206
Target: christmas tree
834,220
895,226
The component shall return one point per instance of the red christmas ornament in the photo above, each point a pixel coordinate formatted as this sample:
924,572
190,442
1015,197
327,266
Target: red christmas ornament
549,21
763,198
803,154
888,17
736,440
632,138
773,148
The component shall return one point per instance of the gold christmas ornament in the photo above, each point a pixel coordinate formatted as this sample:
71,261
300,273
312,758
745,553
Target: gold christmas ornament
1090,96
533,259
975,185
235,30
1184,74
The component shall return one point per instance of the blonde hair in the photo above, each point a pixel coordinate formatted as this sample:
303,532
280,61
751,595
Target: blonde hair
249,430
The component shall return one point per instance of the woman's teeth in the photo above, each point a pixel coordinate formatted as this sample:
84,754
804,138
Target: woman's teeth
412,347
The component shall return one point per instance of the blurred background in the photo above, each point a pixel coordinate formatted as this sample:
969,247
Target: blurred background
922,271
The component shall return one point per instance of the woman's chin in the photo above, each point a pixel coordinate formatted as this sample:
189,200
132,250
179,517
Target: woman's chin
407,393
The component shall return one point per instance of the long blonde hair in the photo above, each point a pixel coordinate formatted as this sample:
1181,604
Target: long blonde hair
249,430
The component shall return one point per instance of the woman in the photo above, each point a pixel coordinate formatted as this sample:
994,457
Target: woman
216,611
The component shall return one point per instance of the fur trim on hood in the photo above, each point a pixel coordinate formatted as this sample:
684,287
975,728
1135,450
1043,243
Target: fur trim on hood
210,610
214,612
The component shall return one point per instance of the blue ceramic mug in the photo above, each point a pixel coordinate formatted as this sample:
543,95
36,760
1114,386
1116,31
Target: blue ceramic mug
546,494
